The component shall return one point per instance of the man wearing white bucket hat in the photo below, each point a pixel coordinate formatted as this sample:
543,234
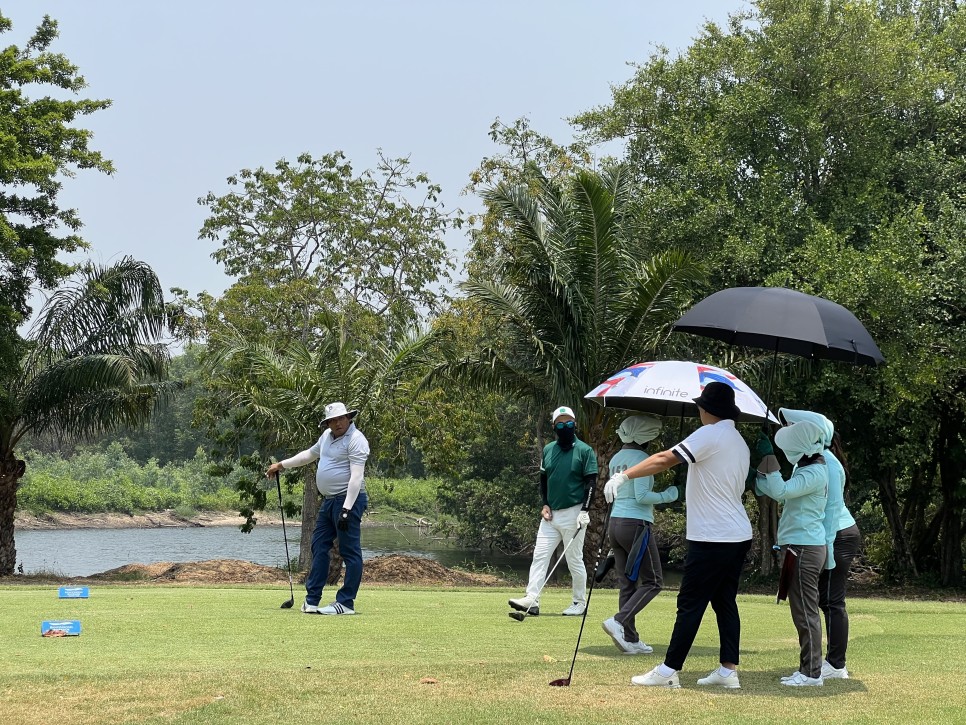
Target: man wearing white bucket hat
342,451
568,472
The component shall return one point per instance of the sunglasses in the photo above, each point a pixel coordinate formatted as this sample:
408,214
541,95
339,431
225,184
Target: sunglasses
568,425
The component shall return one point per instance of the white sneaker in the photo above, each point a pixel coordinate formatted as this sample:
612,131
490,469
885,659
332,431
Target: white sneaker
715,678
615,631
653,679
792,676
310,608
528,604
638,648
574,610
335,608
833,673
800,680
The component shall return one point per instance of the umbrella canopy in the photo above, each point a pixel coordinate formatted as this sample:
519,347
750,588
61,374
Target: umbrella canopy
782,320
669,387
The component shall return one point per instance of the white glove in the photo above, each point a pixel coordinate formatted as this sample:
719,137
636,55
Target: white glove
614,483
670,494
583,518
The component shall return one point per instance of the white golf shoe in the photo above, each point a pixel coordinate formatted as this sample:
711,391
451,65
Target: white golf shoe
574,610
716,678
800,680
528,604
653,679
833,673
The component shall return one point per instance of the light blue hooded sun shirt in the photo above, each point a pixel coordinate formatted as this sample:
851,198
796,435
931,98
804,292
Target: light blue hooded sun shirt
804,496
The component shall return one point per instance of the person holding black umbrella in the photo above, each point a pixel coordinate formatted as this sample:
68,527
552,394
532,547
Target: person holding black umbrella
718,534
804,539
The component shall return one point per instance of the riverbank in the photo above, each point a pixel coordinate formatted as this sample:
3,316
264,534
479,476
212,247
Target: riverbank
151,520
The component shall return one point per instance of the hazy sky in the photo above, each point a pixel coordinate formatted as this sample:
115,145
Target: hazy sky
204,88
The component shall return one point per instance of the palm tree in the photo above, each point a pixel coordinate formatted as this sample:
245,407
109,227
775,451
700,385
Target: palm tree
575,298
94,364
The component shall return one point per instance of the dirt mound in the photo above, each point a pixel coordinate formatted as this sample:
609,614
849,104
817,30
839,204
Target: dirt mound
216,571
393,569
398,569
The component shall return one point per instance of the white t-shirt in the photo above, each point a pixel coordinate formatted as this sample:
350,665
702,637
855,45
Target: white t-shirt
334,457
718,460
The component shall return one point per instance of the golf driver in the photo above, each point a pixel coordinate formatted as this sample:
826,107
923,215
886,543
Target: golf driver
288,559
565,681
520,616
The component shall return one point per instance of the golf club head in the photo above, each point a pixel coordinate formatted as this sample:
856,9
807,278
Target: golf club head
287,605
562,682
519,616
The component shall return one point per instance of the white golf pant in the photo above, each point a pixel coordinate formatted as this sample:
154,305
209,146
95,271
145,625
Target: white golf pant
561,528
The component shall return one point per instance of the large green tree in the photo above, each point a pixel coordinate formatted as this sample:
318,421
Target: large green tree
94,364
40,145
818,144
573,299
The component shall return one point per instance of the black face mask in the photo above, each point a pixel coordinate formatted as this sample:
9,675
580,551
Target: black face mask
566,432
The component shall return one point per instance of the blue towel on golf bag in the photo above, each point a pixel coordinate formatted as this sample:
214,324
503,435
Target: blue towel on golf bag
638,549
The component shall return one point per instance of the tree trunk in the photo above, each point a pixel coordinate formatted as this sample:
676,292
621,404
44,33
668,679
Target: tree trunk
953,490
311,503
11,471
905,562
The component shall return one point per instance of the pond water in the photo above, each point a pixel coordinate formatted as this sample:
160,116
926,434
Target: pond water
81,552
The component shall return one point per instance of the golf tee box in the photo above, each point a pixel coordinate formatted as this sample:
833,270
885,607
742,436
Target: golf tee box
73,592
60,628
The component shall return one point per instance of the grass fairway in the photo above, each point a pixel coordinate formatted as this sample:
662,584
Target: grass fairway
230,655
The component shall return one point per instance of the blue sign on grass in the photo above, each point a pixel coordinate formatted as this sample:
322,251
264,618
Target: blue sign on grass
73,592
60,628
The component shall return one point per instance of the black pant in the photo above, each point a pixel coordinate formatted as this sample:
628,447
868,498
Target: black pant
831,594
711,573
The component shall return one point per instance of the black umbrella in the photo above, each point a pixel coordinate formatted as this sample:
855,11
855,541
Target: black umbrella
782,320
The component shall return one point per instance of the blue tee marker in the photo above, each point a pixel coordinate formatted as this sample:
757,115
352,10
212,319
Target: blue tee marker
60,628
73,592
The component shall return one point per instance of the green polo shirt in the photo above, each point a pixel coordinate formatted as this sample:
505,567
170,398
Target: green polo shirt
565,473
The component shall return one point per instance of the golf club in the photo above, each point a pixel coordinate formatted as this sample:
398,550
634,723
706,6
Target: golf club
288,559
565,681
520,616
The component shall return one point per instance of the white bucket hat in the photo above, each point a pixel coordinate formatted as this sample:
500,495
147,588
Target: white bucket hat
639,428
337,410
562,410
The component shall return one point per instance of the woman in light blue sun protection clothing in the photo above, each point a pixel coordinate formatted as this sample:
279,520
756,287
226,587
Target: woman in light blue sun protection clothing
846,546
636,557
802,534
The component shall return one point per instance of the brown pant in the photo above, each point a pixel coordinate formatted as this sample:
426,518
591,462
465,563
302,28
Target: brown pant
634,596
803,600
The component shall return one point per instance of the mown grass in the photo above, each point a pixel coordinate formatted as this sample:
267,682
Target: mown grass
230,655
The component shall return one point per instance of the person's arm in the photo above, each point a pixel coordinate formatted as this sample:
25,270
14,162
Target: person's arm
644,492
802,482
299,459
357,474
648,467
654,464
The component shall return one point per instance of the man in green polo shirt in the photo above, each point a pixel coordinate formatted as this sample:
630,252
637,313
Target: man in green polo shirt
568,472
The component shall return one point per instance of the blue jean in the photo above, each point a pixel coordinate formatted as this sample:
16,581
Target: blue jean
350,546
